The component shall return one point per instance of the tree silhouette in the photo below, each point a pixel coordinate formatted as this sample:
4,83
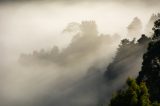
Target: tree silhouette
150,72
145,91
150,24
135,28
128,53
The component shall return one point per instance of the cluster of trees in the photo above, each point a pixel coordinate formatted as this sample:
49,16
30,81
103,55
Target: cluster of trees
135,27
150,23
145,90
85,43
150,72
127,52
134,95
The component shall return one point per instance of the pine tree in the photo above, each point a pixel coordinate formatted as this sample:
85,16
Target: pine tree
150,72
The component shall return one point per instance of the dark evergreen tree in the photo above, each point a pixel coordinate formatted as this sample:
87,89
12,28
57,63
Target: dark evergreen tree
150,72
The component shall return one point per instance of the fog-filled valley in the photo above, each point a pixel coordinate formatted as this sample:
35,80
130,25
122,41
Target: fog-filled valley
75,53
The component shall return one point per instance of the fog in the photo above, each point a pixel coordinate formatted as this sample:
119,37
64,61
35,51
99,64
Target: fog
79,40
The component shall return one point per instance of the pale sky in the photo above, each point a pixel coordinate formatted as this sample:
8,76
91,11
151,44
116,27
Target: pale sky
34,25
27,26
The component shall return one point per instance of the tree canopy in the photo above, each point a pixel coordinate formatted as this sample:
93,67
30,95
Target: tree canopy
133,95
150,72
145,90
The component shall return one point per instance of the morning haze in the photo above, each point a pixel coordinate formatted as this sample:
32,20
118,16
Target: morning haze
55,52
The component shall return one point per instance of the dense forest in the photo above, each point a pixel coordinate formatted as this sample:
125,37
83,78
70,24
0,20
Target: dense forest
144,90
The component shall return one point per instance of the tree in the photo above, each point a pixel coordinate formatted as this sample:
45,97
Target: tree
128,56
134,95
135,28
150,72
150,24
156,29
145,91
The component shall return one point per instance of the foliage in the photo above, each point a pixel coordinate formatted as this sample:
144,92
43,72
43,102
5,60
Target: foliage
134,95
145,91
150,72
127,57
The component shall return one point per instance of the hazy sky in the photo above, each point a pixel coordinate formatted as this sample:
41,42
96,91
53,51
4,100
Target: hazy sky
28,25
